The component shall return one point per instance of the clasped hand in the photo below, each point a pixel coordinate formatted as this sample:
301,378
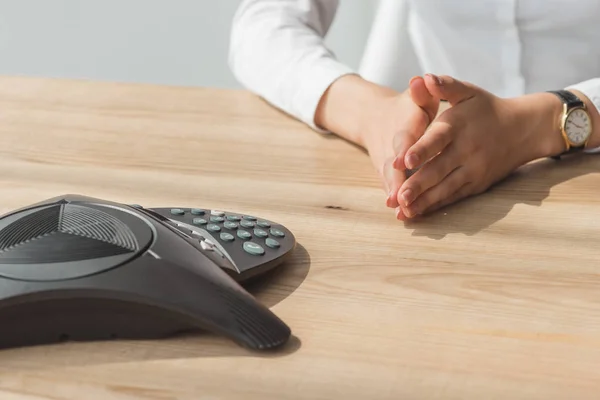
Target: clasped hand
461,152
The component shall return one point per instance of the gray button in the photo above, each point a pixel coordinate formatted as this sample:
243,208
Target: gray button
177,211
277,233
217,213
217,219
233,217
242,234
213,227
230,225
228,237
263,224
261,233
254,248
272,243
135,206
247,224
199,221
198,211
249,218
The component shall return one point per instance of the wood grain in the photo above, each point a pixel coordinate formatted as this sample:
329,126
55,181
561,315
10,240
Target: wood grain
497,297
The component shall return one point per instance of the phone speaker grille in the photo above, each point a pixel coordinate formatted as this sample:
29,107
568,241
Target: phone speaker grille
64,233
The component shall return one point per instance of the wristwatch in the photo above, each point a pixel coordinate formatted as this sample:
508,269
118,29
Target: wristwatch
575,123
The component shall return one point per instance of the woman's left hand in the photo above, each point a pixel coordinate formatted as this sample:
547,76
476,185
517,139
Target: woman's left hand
473,144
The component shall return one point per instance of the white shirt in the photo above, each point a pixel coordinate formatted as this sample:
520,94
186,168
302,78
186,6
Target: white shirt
508,47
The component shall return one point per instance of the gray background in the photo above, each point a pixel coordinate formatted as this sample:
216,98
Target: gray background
178,42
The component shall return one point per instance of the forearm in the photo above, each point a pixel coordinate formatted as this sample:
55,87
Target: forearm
350,105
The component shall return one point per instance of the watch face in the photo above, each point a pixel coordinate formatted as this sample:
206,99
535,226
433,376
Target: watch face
578,127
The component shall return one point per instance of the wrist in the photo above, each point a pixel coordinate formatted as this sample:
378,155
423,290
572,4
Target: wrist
538,115
541,114
349,106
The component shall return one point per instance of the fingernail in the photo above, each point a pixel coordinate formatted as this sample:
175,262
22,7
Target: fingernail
409,213
398,213
438,81
397,164
413,79
407,196
412,160
388,201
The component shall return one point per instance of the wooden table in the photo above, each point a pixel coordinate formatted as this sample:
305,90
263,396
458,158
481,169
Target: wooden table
497,297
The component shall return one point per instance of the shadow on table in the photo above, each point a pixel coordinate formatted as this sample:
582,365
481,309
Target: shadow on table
272,289
278,284
530,185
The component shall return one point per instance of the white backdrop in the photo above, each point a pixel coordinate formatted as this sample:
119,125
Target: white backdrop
181,42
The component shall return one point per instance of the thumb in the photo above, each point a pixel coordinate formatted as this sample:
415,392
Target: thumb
423,98
450,89
429,104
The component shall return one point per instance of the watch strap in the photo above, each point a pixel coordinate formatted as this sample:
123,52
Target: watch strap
572,149
568,98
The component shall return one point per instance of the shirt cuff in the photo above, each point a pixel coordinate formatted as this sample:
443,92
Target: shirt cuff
307,99
590,88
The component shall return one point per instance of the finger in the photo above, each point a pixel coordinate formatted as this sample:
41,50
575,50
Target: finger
421,96
430,175
440,193
418,122
463,192
450,89
400,214
393,179
404,139
433,142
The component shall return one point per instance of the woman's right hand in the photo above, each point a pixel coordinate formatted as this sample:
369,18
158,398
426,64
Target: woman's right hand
398,125
384,122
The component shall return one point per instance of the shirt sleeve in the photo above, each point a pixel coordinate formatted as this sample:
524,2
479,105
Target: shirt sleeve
590,88
277,51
